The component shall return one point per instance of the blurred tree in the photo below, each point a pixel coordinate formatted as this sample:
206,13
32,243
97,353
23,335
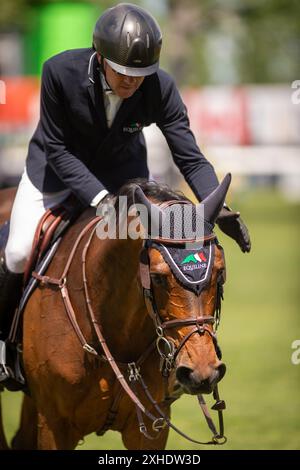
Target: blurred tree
271,45
233,41
210,41
12,13
16,13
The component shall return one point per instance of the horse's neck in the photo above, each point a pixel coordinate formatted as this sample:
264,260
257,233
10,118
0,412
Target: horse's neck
118,297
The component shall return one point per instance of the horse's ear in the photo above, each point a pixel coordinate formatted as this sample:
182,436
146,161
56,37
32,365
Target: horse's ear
155,215
213,203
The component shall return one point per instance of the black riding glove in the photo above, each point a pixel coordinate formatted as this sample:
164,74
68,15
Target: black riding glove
231,223
108,199
102,208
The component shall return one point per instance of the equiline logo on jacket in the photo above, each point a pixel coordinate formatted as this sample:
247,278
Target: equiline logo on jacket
133,127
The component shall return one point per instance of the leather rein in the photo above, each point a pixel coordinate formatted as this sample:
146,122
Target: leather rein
164,346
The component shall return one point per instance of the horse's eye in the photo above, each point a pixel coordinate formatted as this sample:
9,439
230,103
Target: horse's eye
159,280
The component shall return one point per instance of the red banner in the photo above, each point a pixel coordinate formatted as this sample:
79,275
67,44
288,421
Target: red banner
20,108
218,115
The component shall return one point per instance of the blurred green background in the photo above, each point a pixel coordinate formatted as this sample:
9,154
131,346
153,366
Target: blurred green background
217,41
260,320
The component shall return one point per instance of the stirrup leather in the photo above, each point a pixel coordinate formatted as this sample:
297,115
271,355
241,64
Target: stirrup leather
11,375
4,371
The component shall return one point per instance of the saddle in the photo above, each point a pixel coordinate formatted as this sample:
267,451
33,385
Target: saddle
48,235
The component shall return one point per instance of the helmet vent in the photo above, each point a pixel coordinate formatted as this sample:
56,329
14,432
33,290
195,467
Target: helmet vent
128,39
148,41
138,29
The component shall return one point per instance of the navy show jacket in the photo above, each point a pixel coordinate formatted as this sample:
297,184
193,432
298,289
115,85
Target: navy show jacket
73,147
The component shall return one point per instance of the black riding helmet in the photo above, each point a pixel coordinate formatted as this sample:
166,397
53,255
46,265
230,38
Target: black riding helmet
130,39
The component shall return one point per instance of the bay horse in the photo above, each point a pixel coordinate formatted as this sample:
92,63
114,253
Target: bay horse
134,337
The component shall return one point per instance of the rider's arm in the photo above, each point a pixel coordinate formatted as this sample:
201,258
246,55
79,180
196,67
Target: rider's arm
66,165
174,124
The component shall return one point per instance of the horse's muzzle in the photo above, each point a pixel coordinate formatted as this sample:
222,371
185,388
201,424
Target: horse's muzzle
193,383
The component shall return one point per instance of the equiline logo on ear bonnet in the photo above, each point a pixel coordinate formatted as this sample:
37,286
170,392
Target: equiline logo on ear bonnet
191,267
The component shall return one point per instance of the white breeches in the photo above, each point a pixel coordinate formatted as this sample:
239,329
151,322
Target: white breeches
29,206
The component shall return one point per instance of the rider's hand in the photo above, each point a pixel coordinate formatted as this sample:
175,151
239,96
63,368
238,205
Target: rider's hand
105,205
231,223
108,199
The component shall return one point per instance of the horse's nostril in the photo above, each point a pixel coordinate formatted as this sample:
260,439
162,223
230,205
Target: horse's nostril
193,382
183,374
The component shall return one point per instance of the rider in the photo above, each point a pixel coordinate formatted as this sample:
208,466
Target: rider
94,105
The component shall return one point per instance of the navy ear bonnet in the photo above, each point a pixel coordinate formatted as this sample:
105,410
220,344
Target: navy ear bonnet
192,267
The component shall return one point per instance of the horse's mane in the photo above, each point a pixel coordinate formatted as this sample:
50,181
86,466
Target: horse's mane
157,192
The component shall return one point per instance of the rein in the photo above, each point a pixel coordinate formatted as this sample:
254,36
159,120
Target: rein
165,347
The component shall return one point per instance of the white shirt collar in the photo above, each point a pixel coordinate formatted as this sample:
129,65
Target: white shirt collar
105,85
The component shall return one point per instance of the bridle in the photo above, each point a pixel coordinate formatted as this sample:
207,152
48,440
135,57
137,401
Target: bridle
164,346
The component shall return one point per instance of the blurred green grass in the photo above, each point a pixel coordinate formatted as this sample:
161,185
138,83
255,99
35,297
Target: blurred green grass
260,320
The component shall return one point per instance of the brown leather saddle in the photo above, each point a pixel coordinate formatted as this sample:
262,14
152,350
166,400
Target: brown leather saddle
53,223
50,227
48,235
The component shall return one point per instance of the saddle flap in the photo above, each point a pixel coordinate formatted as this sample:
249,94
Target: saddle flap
51,225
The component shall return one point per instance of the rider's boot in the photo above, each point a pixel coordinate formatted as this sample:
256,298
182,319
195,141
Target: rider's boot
10,293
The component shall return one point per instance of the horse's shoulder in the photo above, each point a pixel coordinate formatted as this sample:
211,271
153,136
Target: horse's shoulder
75,229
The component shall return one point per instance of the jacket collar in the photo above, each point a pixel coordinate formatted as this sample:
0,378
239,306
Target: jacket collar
95,90
91,67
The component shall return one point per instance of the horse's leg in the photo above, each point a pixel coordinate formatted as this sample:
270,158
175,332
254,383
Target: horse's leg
26,436
56,434
36,433
156,444
46,439
133,439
